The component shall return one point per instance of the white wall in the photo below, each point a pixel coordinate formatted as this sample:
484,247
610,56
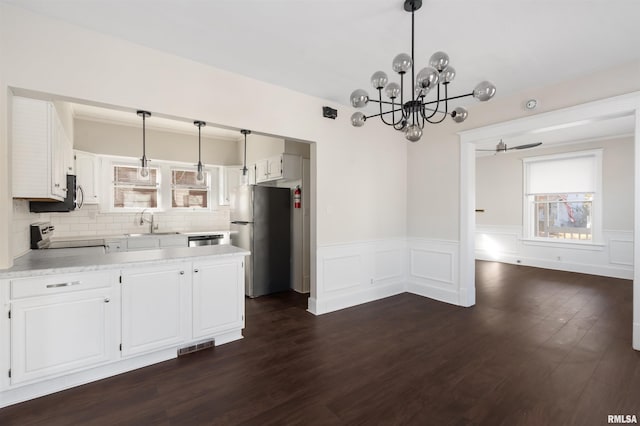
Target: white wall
260,147
117,139
49,56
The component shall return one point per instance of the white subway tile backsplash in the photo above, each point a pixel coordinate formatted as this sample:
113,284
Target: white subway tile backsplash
90,221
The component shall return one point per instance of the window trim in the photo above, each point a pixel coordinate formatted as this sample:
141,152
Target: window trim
596,205
164,185
209,188
112,184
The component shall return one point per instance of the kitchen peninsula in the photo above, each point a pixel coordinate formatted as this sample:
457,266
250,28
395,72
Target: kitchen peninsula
72,320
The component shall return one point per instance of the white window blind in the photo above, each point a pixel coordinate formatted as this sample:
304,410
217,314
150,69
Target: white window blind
562,175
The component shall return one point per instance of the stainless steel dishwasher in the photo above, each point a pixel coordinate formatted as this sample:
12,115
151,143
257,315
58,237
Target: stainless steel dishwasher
205,240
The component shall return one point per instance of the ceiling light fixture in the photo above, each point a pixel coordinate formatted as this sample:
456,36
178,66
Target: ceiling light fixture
245,176
411,116
144,163
200,125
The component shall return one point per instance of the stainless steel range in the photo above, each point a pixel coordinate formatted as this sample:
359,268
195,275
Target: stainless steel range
42,233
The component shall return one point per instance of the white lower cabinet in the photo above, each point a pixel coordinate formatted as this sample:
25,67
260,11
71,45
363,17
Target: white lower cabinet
155,307
218,297
60,333
67,329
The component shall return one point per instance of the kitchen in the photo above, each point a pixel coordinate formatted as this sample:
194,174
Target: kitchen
115,215
103,138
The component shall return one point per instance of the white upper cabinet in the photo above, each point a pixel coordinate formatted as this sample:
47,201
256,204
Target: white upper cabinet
281,166
87,169
229,180
41,151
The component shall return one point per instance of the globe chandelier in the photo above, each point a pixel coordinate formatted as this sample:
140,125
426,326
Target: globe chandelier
410,116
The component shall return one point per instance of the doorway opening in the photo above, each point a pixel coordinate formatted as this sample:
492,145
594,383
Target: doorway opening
539,126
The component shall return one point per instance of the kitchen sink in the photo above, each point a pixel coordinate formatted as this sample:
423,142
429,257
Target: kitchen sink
150,234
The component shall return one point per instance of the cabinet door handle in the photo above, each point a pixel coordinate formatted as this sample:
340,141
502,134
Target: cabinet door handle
63,284
107,300
57,185
196,270
181,272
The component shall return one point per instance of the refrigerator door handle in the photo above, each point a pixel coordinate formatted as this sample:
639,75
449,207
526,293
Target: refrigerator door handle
240,222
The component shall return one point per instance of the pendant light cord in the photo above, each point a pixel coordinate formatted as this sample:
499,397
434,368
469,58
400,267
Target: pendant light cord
244,162
245,132
144,132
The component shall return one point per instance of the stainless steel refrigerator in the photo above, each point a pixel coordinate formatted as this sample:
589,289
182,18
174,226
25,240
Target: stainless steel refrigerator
261,223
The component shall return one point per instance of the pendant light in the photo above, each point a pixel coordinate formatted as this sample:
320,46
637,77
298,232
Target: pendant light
244,179
144,163
200,175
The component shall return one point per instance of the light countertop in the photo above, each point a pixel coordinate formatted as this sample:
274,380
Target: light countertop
31,265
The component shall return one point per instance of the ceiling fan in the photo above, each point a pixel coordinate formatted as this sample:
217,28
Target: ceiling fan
502,147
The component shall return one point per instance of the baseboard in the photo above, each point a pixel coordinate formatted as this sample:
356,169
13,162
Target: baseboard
582,268
432,292
232,336
312,306
57,384
347,300
636,336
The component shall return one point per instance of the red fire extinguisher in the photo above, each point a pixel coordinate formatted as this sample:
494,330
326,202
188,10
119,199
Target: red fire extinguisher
297,197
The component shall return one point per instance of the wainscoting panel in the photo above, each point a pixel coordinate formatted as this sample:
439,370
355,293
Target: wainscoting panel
431,265
433,269
621,252
388,265
354,273
342,272
613,258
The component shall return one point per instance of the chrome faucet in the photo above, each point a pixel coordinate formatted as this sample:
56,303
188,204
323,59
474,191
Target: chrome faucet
152,227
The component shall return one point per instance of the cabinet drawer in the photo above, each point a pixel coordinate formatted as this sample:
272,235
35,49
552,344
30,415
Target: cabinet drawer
59,283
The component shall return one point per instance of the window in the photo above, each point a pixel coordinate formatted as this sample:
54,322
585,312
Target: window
563,216
187,191
170,185
562,197
131,190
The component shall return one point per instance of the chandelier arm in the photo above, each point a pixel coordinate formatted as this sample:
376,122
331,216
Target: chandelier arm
435,110
381,115
384,113
449,99
446,106
404,114
399,125
381,102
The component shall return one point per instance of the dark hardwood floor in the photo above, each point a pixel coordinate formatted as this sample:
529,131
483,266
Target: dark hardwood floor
540,347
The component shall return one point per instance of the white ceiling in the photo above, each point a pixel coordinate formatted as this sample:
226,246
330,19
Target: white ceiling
327,48
568,134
